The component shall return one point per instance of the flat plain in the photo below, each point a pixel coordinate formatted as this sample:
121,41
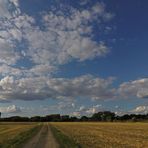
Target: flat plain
26,135
14,133
74,135
106,135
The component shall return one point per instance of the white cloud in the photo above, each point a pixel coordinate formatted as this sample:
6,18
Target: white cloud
4,12
94,109
60,37
7,83
37,70
137,88
10,109
88,111
8,54
140,110
9,34
6,70
66,37
41,69
38,88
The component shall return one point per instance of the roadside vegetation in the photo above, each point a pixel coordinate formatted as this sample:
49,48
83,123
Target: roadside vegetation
63,140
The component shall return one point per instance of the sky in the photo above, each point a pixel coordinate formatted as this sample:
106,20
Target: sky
73,57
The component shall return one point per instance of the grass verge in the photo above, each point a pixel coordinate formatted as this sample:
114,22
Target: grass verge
21,138
63,140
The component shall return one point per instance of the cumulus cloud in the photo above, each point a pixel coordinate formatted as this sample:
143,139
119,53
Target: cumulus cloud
137,88
40,70
83,111
8,33
39,88
94,109
6,70
61,35
4,12
37,70
140,110
64,34
88,111
66,37
10,109
8,54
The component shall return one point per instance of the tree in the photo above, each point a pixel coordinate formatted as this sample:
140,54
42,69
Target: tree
103,116
35,119
53,117
65,118
84,118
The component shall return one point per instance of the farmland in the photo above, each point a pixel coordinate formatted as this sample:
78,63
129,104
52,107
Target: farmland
115,135
74,135
26,135
15,133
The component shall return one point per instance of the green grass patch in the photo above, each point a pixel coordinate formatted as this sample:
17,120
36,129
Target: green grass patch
19,140
63,140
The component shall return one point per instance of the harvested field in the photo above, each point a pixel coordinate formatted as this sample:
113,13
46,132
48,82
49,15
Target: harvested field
15,133
109,135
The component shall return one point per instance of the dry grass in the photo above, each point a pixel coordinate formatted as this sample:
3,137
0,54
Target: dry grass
9,131
107,135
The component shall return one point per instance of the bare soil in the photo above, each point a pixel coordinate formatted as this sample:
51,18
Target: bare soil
43,139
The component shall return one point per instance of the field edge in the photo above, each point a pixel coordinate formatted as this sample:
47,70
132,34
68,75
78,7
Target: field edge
63,140
19,140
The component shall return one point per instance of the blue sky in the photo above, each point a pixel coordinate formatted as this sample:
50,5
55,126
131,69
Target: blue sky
73,57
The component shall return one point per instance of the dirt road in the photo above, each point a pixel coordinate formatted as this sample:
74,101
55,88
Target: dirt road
44,139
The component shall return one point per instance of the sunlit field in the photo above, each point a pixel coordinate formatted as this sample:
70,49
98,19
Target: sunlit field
106,135
10,133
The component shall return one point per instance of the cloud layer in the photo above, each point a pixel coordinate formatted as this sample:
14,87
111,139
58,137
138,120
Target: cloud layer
137,88
10,109
39,88
61,35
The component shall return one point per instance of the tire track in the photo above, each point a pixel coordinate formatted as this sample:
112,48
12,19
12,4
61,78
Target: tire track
43,139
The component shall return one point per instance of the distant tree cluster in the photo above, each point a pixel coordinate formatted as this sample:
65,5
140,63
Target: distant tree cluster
104,116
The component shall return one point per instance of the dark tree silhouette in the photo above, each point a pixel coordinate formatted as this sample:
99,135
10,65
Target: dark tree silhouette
104,116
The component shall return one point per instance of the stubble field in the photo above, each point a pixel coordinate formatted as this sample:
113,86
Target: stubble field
106,135
13,134
74,135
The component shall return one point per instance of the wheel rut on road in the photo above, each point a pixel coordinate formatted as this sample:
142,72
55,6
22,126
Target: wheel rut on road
43,139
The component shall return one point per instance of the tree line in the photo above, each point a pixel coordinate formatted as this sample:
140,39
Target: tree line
104,116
